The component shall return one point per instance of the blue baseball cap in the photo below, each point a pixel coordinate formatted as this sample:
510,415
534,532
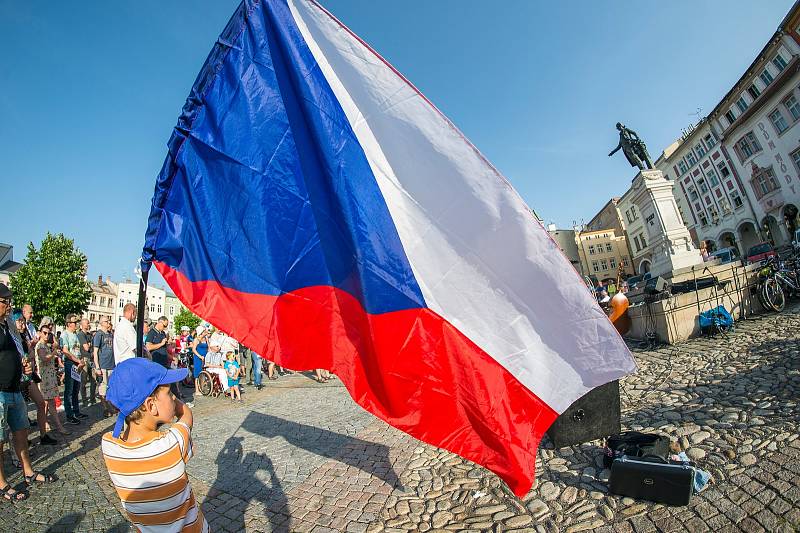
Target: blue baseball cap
132,381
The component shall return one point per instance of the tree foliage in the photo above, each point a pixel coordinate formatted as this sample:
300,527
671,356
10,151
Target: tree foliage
186,318
52,280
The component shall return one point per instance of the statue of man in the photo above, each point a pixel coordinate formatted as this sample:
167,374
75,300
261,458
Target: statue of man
633,147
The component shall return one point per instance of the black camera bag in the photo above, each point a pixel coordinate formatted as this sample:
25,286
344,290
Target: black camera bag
635,444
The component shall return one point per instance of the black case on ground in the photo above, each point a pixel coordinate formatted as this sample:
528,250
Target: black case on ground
652,479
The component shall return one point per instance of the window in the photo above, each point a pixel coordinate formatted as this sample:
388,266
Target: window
608,247
703,219
612,263
172,310
638,245
121,303
779,62
91,317
700,150
730,116
152,308
603,264
793,107
159,308
712,177
723,169
693,193
764,182
644,243
682,167
591,249
741,104
796,159
595,266
691,158
625,261
633,212
628,215
702,184
753,91
710,141
110,302
747,146
778,121
102,301
737,200
766,77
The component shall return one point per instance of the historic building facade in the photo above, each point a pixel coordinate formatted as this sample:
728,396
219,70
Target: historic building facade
103,302
602,252
758,124
737,172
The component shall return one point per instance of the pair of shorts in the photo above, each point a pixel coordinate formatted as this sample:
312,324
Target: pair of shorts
13,413
102,388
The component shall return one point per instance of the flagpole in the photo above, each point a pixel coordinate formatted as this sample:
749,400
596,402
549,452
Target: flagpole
140,313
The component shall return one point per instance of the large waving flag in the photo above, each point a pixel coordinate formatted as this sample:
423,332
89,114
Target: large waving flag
320,209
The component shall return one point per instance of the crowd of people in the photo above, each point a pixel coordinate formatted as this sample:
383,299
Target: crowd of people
73,367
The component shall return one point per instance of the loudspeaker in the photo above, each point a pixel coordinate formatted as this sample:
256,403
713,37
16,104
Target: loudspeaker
595,415
655,285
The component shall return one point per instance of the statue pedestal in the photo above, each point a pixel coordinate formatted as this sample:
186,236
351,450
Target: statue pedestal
670,243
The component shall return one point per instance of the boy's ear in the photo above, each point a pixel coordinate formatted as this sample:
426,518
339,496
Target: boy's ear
151,406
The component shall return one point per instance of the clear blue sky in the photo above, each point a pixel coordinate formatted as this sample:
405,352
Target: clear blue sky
90,90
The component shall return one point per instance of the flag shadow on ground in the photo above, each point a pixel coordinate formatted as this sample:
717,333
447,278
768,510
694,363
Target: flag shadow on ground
364,455
237,470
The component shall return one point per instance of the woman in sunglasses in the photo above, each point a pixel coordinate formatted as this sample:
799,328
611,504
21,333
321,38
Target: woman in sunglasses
46,356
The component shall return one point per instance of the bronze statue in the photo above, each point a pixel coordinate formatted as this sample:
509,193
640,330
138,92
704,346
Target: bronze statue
633,147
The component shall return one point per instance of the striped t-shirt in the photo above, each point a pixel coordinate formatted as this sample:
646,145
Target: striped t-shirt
150,478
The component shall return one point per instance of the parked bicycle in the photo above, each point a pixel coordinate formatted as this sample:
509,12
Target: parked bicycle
777,281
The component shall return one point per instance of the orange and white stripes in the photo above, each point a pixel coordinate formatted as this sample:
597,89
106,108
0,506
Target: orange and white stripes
150,478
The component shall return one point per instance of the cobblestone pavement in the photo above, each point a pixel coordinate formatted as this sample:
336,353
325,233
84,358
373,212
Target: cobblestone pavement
300,456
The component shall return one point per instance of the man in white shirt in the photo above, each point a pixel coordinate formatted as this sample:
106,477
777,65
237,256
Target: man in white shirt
125,335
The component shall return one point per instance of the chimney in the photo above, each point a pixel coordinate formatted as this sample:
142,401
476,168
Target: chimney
100,279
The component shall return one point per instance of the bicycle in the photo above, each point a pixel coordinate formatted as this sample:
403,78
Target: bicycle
769,289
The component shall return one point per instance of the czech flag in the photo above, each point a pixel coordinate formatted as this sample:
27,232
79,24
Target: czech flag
318,208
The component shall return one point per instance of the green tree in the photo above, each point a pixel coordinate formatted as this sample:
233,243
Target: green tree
186,318
52,279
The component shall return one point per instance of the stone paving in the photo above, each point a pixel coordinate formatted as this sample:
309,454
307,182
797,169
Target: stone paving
300,456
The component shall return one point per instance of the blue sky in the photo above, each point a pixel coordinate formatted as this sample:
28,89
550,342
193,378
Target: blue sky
89,92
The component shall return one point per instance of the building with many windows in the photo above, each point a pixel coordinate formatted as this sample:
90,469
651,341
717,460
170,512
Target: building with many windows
757,122
711,198
602,252
155,300
103,302
736,171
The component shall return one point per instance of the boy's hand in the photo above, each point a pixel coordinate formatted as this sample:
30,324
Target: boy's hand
179,406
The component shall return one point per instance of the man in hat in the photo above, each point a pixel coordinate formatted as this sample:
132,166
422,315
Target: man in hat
13,410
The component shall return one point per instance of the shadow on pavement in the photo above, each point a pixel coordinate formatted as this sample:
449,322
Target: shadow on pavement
237,471
66,523
236,474
366,456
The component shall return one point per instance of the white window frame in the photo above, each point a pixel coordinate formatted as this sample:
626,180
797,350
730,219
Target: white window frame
778,121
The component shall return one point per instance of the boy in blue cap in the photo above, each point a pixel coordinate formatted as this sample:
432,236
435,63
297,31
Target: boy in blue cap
148,466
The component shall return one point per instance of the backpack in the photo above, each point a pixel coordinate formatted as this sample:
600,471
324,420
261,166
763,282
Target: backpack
635,444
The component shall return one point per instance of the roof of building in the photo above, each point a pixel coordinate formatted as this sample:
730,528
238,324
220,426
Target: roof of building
10,267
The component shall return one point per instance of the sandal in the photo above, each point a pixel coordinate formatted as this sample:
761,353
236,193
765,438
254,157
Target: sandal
33,478
13,497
